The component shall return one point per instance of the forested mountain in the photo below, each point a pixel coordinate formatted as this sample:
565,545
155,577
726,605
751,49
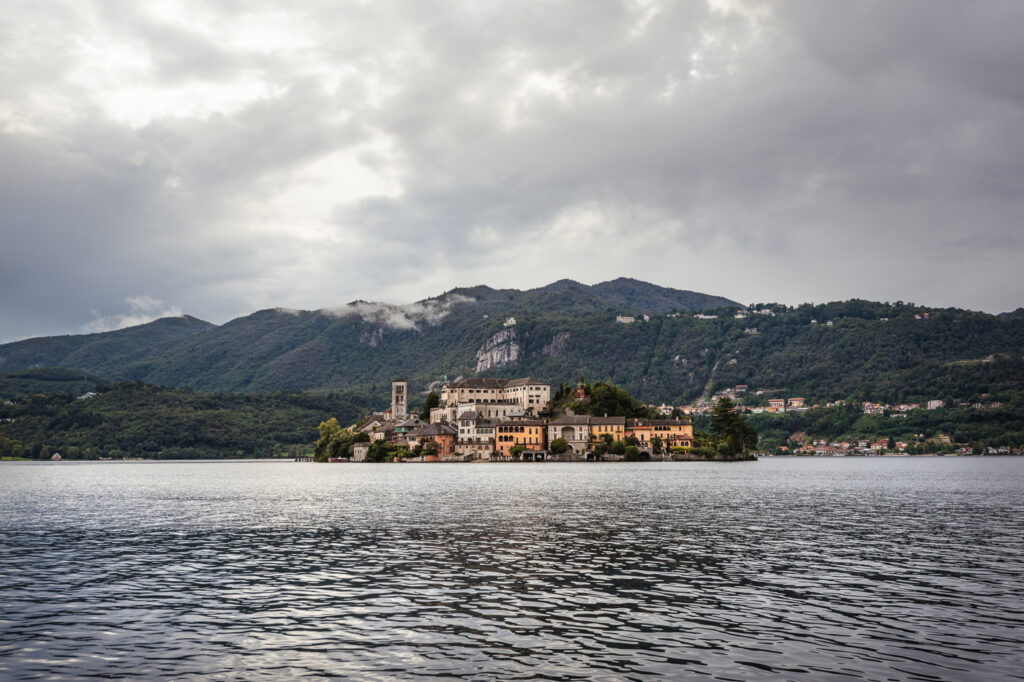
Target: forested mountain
101,351
857,349
138,420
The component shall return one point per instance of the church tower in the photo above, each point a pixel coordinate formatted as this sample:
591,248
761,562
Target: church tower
399,406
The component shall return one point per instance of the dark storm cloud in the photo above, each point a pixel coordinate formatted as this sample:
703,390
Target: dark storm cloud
223,158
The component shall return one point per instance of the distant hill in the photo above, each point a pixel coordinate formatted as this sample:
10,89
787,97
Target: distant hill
561,331
48,380
151,421
649,298
102,351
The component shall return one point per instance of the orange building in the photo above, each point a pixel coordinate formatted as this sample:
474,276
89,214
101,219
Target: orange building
441,436
673,432
526,432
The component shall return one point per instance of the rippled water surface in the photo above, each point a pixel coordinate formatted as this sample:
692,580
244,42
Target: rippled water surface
883,569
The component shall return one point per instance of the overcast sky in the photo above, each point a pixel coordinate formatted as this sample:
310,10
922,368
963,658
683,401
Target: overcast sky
215,158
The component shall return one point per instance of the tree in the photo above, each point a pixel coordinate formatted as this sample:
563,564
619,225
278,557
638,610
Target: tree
729,432
433,400
379,451
516,450
657,445
559,445
328,430
632,453
334,441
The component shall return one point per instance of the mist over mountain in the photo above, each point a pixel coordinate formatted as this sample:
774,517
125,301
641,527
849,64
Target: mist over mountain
639,335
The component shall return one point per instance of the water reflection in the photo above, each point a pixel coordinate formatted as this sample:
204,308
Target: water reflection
783,569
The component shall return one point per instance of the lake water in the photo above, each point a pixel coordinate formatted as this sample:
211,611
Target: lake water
802,569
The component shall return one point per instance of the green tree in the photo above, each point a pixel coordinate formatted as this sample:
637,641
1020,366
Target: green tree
657,445
559,445
379,451
335,441
632,453
433,400
730,433
328,431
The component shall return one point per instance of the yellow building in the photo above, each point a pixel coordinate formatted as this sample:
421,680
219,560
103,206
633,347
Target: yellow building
613,426
672,432
526,432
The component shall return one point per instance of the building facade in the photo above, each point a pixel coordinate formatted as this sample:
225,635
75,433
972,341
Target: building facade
530,394
672,432
476,436
529,433
437,440
575,429
612,426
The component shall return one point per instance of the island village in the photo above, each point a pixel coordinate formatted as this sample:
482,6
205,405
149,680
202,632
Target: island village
487,419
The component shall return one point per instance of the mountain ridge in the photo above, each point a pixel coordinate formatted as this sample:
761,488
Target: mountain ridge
559,332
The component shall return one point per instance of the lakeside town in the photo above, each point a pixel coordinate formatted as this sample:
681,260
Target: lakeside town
504,420
487,419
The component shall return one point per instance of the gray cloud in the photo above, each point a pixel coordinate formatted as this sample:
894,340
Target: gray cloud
239,156
408,316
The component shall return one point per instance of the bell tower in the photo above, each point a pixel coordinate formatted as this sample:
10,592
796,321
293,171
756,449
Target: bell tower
399,394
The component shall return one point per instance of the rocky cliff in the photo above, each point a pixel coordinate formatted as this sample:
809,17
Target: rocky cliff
498,351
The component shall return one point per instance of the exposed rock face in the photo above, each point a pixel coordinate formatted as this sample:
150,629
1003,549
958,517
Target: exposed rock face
373,336
557,345
499,350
